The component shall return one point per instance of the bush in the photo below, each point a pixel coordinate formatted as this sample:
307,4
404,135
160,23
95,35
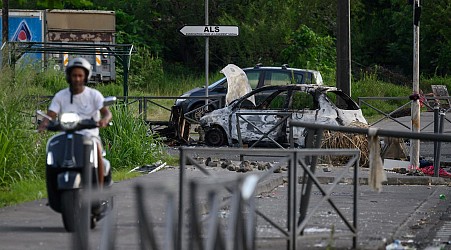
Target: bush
129,143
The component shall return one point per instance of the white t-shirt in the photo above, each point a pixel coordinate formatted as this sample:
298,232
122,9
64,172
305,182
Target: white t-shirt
87,105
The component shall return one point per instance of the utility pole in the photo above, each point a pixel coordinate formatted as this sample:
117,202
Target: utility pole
344,46
5,31
415,144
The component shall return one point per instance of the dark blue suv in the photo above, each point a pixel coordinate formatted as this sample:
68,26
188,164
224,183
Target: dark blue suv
258,77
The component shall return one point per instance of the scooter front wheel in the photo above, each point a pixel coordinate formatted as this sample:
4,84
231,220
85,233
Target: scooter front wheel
71,205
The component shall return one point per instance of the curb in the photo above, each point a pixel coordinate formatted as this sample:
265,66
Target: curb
405,180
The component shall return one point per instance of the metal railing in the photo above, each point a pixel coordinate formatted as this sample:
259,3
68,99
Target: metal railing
391,115
122,52
297,217
435,137
240,226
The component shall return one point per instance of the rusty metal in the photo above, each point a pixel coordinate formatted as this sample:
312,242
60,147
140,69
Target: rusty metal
80,36
80,20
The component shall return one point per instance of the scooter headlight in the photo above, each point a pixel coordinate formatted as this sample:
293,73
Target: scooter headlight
69,120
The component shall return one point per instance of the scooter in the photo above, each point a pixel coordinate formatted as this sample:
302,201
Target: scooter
72,171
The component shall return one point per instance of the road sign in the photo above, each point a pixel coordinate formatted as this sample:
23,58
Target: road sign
209,30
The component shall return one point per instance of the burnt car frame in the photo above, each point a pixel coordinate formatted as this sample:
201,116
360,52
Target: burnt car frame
302,102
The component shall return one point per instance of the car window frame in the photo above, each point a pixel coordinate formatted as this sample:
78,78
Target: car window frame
314,96
345,97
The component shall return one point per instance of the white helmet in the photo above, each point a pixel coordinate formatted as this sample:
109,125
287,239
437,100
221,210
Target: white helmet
80,63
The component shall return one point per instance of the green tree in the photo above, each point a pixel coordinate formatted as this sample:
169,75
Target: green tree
309,50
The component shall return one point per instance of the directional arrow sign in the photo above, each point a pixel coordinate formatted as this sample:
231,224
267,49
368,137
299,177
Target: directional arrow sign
209,30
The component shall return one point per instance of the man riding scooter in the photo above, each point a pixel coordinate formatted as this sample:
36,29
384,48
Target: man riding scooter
87,103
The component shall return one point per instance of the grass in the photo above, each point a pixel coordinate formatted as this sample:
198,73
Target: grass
22,191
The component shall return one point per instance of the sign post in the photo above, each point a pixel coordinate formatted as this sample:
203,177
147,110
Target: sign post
207,56
208,31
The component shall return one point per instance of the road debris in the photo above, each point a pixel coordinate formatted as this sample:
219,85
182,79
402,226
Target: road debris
149,169
430,171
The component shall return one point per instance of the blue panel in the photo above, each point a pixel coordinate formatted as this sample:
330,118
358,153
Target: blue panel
25,29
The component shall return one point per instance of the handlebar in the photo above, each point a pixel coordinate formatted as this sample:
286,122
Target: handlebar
83,124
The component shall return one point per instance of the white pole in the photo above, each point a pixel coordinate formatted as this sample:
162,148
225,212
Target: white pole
207,45
415,144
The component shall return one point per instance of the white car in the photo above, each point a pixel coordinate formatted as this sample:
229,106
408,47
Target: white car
274,106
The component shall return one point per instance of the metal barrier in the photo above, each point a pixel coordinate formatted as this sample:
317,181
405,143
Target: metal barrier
364,101
295,159
436,137
81,236
235,194
240,230
147,236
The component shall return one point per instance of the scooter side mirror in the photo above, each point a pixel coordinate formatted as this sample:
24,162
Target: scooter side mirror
110,100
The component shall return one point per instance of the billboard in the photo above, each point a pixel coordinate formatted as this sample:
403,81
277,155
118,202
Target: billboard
26,26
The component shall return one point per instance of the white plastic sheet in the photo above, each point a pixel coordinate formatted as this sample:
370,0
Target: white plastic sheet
237,83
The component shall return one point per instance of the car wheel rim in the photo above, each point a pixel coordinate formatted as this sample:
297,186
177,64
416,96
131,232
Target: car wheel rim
215,138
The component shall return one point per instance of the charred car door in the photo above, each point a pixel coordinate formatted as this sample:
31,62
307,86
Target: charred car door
264,122
304,107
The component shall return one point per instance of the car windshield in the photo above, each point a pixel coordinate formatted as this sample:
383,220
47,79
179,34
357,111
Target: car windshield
266,99
218,82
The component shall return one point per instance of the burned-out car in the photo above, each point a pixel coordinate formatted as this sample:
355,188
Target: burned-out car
267,118
258,77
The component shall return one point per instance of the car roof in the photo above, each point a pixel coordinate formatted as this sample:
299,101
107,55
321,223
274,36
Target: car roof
282,68
301,87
